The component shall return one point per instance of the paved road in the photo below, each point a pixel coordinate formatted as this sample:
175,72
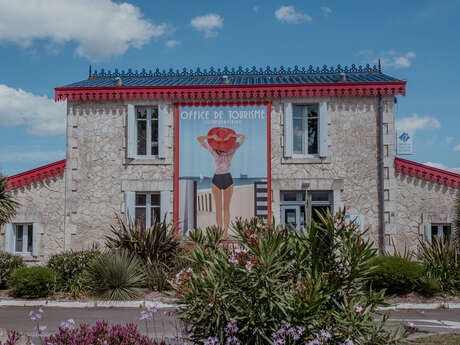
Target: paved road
428,321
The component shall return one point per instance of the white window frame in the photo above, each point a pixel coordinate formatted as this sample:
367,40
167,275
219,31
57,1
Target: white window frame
148,140
305,136
130,205
148,206
322,131
25,238
132,134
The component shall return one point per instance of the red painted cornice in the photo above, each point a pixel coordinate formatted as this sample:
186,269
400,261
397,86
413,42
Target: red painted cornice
428,173
199,92
37,174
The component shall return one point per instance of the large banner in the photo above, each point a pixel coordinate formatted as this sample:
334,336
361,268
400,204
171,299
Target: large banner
222,154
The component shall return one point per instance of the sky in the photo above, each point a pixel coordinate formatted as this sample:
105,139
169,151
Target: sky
49,43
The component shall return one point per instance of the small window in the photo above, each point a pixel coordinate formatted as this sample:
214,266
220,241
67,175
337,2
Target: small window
147,131
321,202
441,231
23,238
305,124
148,208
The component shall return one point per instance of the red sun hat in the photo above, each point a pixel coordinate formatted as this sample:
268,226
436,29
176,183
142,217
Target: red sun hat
222,132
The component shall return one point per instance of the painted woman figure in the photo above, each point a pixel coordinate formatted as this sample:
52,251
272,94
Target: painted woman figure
222,144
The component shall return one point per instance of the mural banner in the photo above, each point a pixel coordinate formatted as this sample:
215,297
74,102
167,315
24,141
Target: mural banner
222,156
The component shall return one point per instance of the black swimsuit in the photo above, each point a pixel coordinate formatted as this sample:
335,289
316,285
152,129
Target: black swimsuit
222,181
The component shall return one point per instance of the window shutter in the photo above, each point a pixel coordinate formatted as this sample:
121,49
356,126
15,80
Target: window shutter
288,135
428,232
323,123
132,132
9,238
130,207
164,205
162,130
35,240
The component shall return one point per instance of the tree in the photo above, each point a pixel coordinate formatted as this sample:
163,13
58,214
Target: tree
7,203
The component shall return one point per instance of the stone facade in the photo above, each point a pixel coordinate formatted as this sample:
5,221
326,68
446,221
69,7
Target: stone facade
42,203
77,210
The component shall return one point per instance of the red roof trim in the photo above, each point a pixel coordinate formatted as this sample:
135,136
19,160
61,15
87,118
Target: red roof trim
200,92
428,173
37,174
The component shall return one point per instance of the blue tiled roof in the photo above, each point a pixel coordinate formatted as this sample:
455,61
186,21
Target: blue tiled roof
237,76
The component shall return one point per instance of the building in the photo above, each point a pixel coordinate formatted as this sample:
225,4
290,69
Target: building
207,146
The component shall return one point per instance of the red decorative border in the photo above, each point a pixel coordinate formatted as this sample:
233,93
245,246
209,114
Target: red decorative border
176,150
35,175
428,173
211,92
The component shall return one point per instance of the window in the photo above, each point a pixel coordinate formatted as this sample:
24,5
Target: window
292,208
441,231
320,201
147,131
305,130
23,238
147,208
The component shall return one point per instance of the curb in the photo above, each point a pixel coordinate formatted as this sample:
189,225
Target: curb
89,304
431,306
161,305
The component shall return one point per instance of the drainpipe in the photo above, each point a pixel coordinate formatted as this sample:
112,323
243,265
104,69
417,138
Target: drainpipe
380,168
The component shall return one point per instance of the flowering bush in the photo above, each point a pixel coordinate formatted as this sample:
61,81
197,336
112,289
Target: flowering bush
99,334
13,338
282,287
8,262
71,265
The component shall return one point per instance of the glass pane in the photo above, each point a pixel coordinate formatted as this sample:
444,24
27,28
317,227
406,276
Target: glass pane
312,111
298,135
210,203
154,137
447,232
156,214
30,234
142,114
19,238
141,199
312,136
140,215
320,196
155,113
141,137
289,196
155,199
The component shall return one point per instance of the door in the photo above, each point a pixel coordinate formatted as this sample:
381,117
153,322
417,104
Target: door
290,216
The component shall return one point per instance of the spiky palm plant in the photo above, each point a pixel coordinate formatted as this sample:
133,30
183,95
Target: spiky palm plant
7,203
116,275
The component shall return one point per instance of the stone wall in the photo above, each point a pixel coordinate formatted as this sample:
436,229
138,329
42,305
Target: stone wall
99,172
42,203
419,202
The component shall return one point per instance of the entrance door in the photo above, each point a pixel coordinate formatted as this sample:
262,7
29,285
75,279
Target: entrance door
290,216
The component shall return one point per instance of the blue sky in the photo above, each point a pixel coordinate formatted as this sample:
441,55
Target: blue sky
52,42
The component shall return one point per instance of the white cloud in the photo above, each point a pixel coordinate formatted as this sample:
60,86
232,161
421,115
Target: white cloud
457,148
172,43
101,29
443,167
326,11
37,156
255,8
288,14
417,122
390,58
40,114
208,24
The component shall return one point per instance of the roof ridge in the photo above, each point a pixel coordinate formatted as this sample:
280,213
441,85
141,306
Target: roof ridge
268,71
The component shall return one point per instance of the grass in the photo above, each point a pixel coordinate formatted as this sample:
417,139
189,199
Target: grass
446,339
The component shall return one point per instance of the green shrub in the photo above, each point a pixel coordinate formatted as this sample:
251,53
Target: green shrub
71,265
157,248
395,274
315,279
442,261
8,263
33,282
115,275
